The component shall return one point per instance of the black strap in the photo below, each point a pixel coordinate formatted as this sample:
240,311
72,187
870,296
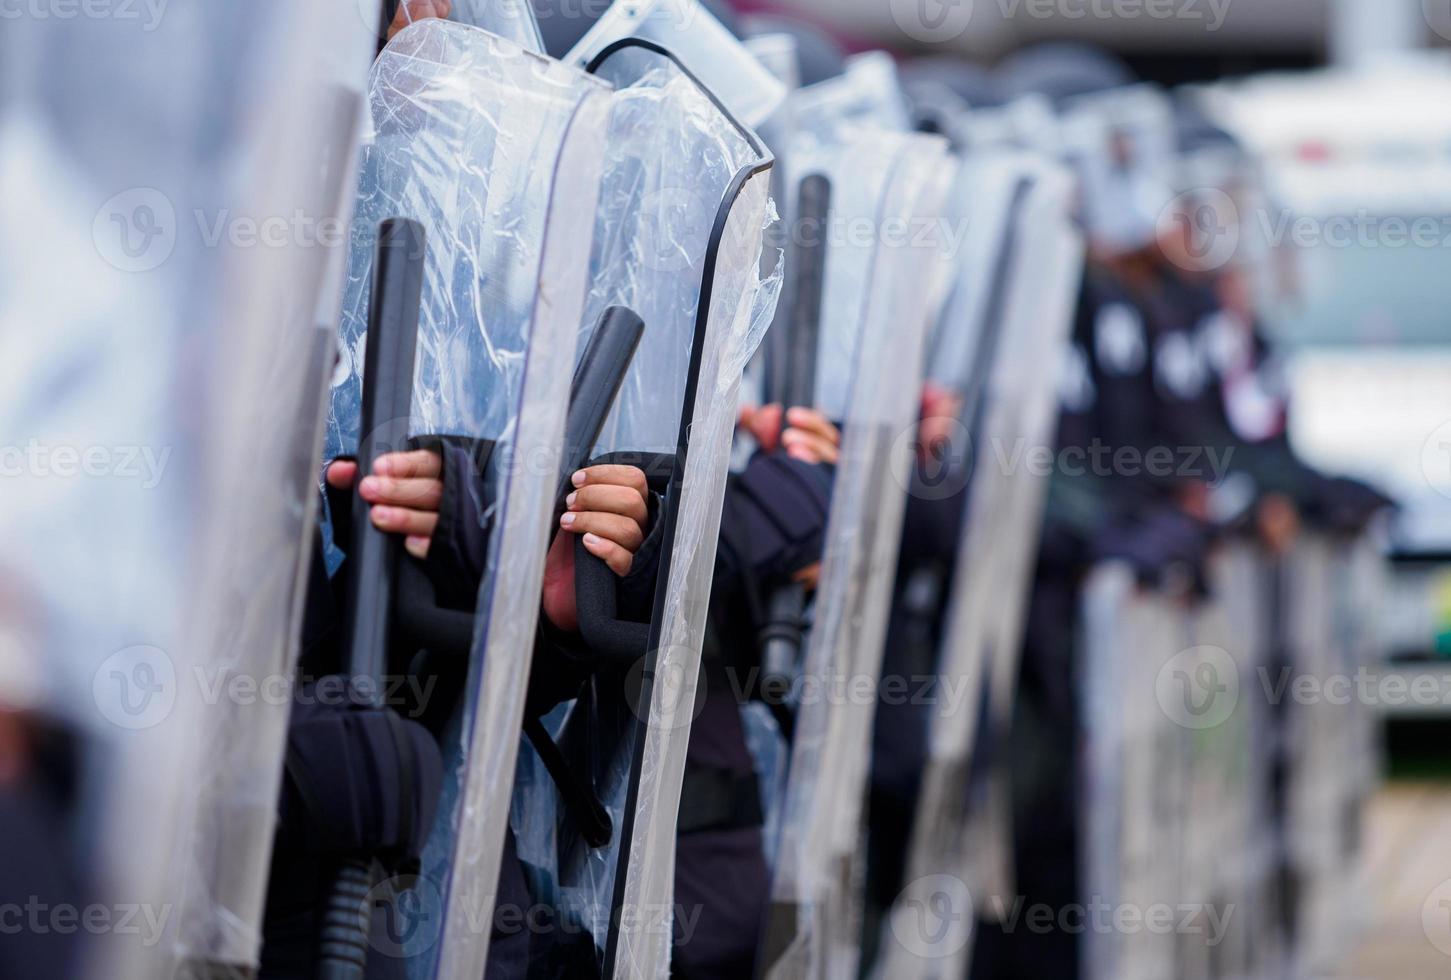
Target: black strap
594,821
424,624
719,800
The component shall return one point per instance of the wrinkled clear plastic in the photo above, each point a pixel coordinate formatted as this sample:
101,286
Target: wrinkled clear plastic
497,153
150,328
673,158
708,50
679,175
1034,259
868,93
892,177
741,310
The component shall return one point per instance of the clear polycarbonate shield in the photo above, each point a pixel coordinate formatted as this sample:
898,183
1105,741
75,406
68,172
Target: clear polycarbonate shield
1129,638
1228,857
678,239
497,152
220,922
161,356
741,309
704,46
1330,593
876,318
1021,402
1122,145
1007,326
868,93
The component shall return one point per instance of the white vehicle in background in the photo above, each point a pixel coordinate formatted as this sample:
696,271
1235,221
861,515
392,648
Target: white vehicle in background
1352,240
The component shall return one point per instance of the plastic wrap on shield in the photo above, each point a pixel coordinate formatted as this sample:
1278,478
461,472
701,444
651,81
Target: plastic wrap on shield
673,158
435,159
867,94
680,176
742,307
159,589
895,179
497,153
1017,312
704,46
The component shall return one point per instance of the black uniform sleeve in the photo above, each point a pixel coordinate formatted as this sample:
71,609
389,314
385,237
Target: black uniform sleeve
774,524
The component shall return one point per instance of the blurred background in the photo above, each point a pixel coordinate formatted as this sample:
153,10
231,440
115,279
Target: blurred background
1344,106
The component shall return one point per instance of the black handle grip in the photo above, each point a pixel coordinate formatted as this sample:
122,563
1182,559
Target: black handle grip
807,291
782,636
387,404
372,555
597,382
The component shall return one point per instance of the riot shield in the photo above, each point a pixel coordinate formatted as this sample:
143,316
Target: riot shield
180,180
871,354
1002,337
678,239
1133,640
868,93
702,44
496,152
